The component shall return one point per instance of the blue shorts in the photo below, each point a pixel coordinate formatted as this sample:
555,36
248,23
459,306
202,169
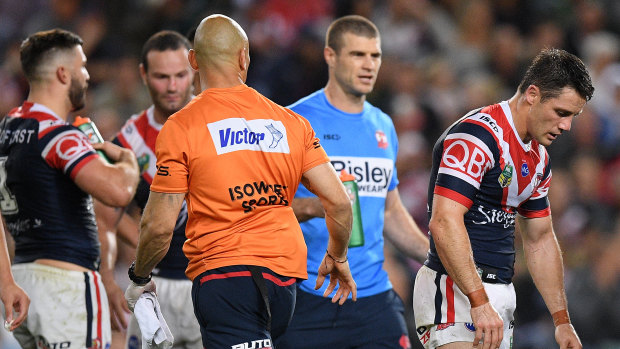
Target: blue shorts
231,309
372,322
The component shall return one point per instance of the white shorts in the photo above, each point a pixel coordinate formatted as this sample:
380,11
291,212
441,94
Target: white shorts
442,311
175,300
67,308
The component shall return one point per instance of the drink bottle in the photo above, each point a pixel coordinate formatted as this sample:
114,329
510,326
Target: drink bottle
90,130
357,230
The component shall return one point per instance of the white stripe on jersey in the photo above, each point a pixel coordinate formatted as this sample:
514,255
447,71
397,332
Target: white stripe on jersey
460,175
36,107
44,125
542,190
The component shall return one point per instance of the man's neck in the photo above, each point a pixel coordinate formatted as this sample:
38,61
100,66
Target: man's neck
346,102
60,106
519,110
159,116
220,77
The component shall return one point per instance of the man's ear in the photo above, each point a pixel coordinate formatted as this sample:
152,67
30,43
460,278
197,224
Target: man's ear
191,57
532,93
142,73
63,75
330,56
244,59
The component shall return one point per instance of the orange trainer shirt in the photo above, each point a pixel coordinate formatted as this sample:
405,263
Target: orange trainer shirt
239,157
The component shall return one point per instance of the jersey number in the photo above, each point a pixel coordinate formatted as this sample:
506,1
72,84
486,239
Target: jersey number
8,204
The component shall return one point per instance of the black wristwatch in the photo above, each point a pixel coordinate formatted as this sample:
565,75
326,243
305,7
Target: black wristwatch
138,280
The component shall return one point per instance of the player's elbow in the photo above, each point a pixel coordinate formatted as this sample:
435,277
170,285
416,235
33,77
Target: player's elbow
437,226
339,209
117,196
155,229
343,209
338,203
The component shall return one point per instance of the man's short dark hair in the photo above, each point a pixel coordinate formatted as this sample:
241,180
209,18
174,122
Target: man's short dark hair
162,41
552,70
353,24
36,49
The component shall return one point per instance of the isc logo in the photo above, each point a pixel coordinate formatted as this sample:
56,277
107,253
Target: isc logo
467,156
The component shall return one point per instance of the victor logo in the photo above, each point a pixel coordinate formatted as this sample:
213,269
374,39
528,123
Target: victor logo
237,134
230,137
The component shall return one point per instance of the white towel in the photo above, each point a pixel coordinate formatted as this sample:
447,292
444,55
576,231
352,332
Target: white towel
155,331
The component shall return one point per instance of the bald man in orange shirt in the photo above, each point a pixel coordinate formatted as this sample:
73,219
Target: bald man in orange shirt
237,158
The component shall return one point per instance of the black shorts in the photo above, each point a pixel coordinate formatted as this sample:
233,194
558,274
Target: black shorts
372,322
231,310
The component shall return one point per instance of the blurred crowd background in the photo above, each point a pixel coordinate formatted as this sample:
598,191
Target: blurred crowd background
441,58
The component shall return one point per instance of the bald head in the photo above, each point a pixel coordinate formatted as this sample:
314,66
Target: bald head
219,39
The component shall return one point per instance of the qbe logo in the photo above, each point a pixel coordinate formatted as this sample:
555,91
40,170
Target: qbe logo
466,157
236,134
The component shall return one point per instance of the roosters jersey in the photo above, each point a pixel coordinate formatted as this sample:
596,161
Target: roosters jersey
482,163
139,134
47,214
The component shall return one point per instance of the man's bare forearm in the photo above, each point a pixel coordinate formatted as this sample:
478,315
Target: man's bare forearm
156,229
452,243
544,261
402,231
307,208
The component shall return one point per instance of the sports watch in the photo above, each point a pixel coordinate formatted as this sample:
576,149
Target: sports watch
138,280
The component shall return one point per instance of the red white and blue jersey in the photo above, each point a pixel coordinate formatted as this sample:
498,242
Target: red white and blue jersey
482,163
139,134
47,214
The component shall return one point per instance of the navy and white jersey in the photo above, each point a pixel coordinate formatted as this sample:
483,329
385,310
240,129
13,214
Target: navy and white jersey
139,134
482,163
47,214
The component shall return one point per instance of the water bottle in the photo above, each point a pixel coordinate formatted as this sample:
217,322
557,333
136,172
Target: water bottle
357,230
92,133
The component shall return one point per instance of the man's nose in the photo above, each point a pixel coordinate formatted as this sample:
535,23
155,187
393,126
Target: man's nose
172,84
566,124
